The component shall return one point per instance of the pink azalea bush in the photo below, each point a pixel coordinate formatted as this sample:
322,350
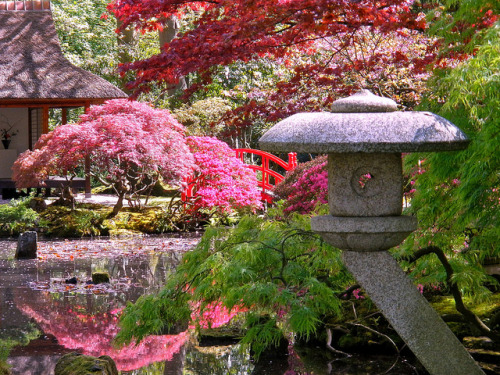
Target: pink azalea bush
222,181
304,187
130,146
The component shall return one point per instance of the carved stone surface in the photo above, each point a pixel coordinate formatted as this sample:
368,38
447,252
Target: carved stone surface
365,184
323,133
364,233
364,101
26,245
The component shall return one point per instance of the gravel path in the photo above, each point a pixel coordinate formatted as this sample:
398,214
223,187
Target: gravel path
96,198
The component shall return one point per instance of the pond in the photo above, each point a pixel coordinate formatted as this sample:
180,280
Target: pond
42,316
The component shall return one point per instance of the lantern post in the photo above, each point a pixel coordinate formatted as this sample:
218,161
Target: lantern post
364,137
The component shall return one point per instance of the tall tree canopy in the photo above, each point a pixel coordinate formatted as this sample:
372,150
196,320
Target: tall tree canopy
88,38
327,48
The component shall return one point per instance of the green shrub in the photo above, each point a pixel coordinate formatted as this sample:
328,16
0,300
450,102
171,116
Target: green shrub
203,116
275,269
17,217
304,187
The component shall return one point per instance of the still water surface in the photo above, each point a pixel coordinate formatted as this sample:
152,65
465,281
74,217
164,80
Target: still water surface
42,317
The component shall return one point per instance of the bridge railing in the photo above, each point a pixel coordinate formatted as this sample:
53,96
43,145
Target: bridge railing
267,176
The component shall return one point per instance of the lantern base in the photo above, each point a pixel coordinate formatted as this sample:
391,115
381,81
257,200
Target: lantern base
364,233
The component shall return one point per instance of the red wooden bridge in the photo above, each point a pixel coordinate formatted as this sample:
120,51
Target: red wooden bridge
265,171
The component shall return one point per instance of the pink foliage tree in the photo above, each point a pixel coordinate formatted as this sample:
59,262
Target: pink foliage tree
221,180
130,146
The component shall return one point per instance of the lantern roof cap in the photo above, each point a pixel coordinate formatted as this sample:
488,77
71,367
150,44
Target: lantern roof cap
371,125
364,101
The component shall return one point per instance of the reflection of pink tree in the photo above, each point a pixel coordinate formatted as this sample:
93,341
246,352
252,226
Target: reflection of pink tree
93,334
214,314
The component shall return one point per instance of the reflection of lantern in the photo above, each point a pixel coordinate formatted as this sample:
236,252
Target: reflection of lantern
364,140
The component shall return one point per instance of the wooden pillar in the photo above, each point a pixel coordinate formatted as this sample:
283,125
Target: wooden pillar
64,116
88,191
45,119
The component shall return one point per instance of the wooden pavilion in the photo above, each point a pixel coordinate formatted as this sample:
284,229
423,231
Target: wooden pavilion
35,77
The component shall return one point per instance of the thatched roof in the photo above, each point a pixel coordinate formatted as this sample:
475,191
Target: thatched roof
33,67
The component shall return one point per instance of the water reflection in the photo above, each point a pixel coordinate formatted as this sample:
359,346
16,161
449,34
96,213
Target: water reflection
42,317
88,326
36,301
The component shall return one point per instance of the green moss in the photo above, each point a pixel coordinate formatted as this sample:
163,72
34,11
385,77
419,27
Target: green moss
4,368
124,233
85,220
144,220
91,220
446,305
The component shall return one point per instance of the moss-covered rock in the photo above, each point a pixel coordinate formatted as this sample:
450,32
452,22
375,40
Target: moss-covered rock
4,368
100,277
144,220
37,204
78,364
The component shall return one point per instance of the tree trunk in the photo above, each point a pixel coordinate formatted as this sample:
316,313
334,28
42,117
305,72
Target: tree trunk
117,207
169,32
125,41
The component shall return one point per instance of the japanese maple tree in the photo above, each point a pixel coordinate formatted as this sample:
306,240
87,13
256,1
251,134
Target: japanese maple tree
243,30
326,49
130,146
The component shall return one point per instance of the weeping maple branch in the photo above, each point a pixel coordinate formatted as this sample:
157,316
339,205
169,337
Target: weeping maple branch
468,315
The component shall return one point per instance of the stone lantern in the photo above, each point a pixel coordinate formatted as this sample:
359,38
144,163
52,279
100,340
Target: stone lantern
364,138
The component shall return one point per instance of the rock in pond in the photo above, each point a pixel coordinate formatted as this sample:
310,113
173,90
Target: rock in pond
26,245
79,364
100,277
